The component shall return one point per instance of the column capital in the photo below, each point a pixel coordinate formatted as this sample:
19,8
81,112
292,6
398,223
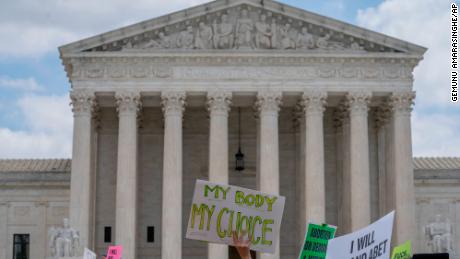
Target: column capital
219,102
173,102
358,102
314,102
83,102
401,102
128,102
268,102
382,115
341,115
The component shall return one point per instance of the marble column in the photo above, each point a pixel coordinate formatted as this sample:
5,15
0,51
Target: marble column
382,115
171,226
300,173
219,106
359,160
315,193
81,191
343,149
128,106
268,106
405,229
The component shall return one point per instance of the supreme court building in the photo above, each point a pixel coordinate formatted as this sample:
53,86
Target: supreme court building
320,109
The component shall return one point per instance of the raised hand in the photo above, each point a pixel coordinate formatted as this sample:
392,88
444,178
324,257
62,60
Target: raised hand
241,245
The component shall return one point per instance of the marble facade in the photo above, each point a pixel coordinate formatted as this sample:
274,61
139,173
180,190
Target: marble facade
264,57
325,112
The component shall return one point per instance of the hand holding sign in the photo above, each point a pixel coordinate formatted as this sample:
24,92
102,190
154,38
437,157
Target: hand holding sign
241,245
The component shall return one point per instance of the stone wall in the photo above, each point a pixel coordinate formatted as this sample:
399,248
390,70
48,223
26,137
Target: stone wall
31,207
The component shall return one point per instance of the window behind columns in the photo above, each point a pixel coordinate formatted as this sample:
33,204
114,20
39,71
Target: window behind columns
150,234
21,246
107,234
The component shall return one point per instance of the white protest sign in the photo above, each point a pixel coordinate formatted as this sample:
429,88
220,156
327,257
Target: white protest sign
218,210
371,242
88,254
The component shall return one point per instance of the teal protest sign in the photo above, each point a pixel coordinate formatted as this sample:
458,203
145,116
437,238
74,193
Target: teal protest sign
316,239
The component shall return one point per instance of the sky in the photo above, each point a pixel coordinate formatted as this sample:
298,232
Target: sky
35,116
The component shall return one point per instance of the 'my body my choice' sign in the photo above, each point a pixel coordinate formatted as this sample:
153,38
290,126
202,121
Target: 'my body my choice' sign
218,210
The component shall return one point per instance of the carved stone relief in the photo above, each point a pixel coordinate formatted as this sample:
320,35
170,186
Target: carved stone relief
237,67
243,27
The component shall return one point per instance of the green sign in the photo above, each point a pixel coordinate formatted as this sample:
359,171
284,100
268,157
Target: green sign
402,251
315,245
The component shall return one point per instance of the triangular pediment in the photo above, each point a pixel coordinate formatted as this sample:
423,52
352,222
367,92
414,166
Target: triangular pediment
256,25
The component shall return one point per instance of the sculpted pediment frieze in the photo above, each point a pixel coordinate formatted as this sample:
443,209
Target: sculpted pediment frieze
243,27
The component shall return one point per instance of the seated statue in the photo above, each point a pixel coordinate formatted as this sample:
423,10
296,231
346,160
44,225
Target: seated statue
63,241
287,40
305,40
439,235
185,39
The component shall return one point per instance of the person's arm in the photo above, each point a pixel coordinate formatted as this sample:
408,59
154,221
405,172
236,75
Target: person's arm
242,246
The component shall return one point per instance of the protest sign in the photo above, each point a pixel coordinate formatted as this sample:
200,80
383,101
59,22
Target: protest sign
371,242
402,251
88,254
316,239
218,210
114,252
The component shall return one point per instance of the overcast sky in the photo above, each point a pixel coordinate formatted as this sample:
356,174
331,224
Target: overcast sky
35,117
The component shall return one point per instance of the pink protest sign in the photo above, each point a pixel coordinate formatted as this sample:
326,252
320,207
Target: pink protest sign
114,252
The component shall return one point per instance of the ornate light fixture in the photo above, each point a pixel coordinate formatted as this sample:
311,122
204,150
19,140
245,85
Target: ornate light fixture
239,157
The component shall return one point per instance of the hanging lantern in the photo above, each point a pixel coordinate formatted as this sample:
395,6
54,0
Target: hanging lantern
239,157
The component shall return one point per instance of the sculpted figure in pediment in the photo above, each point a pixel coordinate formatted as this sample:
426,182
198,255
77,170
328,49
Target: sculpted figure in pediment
223,33
305,40
324,43
163,42
185,39
203,39
287,37
356,46
264,33
244,31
